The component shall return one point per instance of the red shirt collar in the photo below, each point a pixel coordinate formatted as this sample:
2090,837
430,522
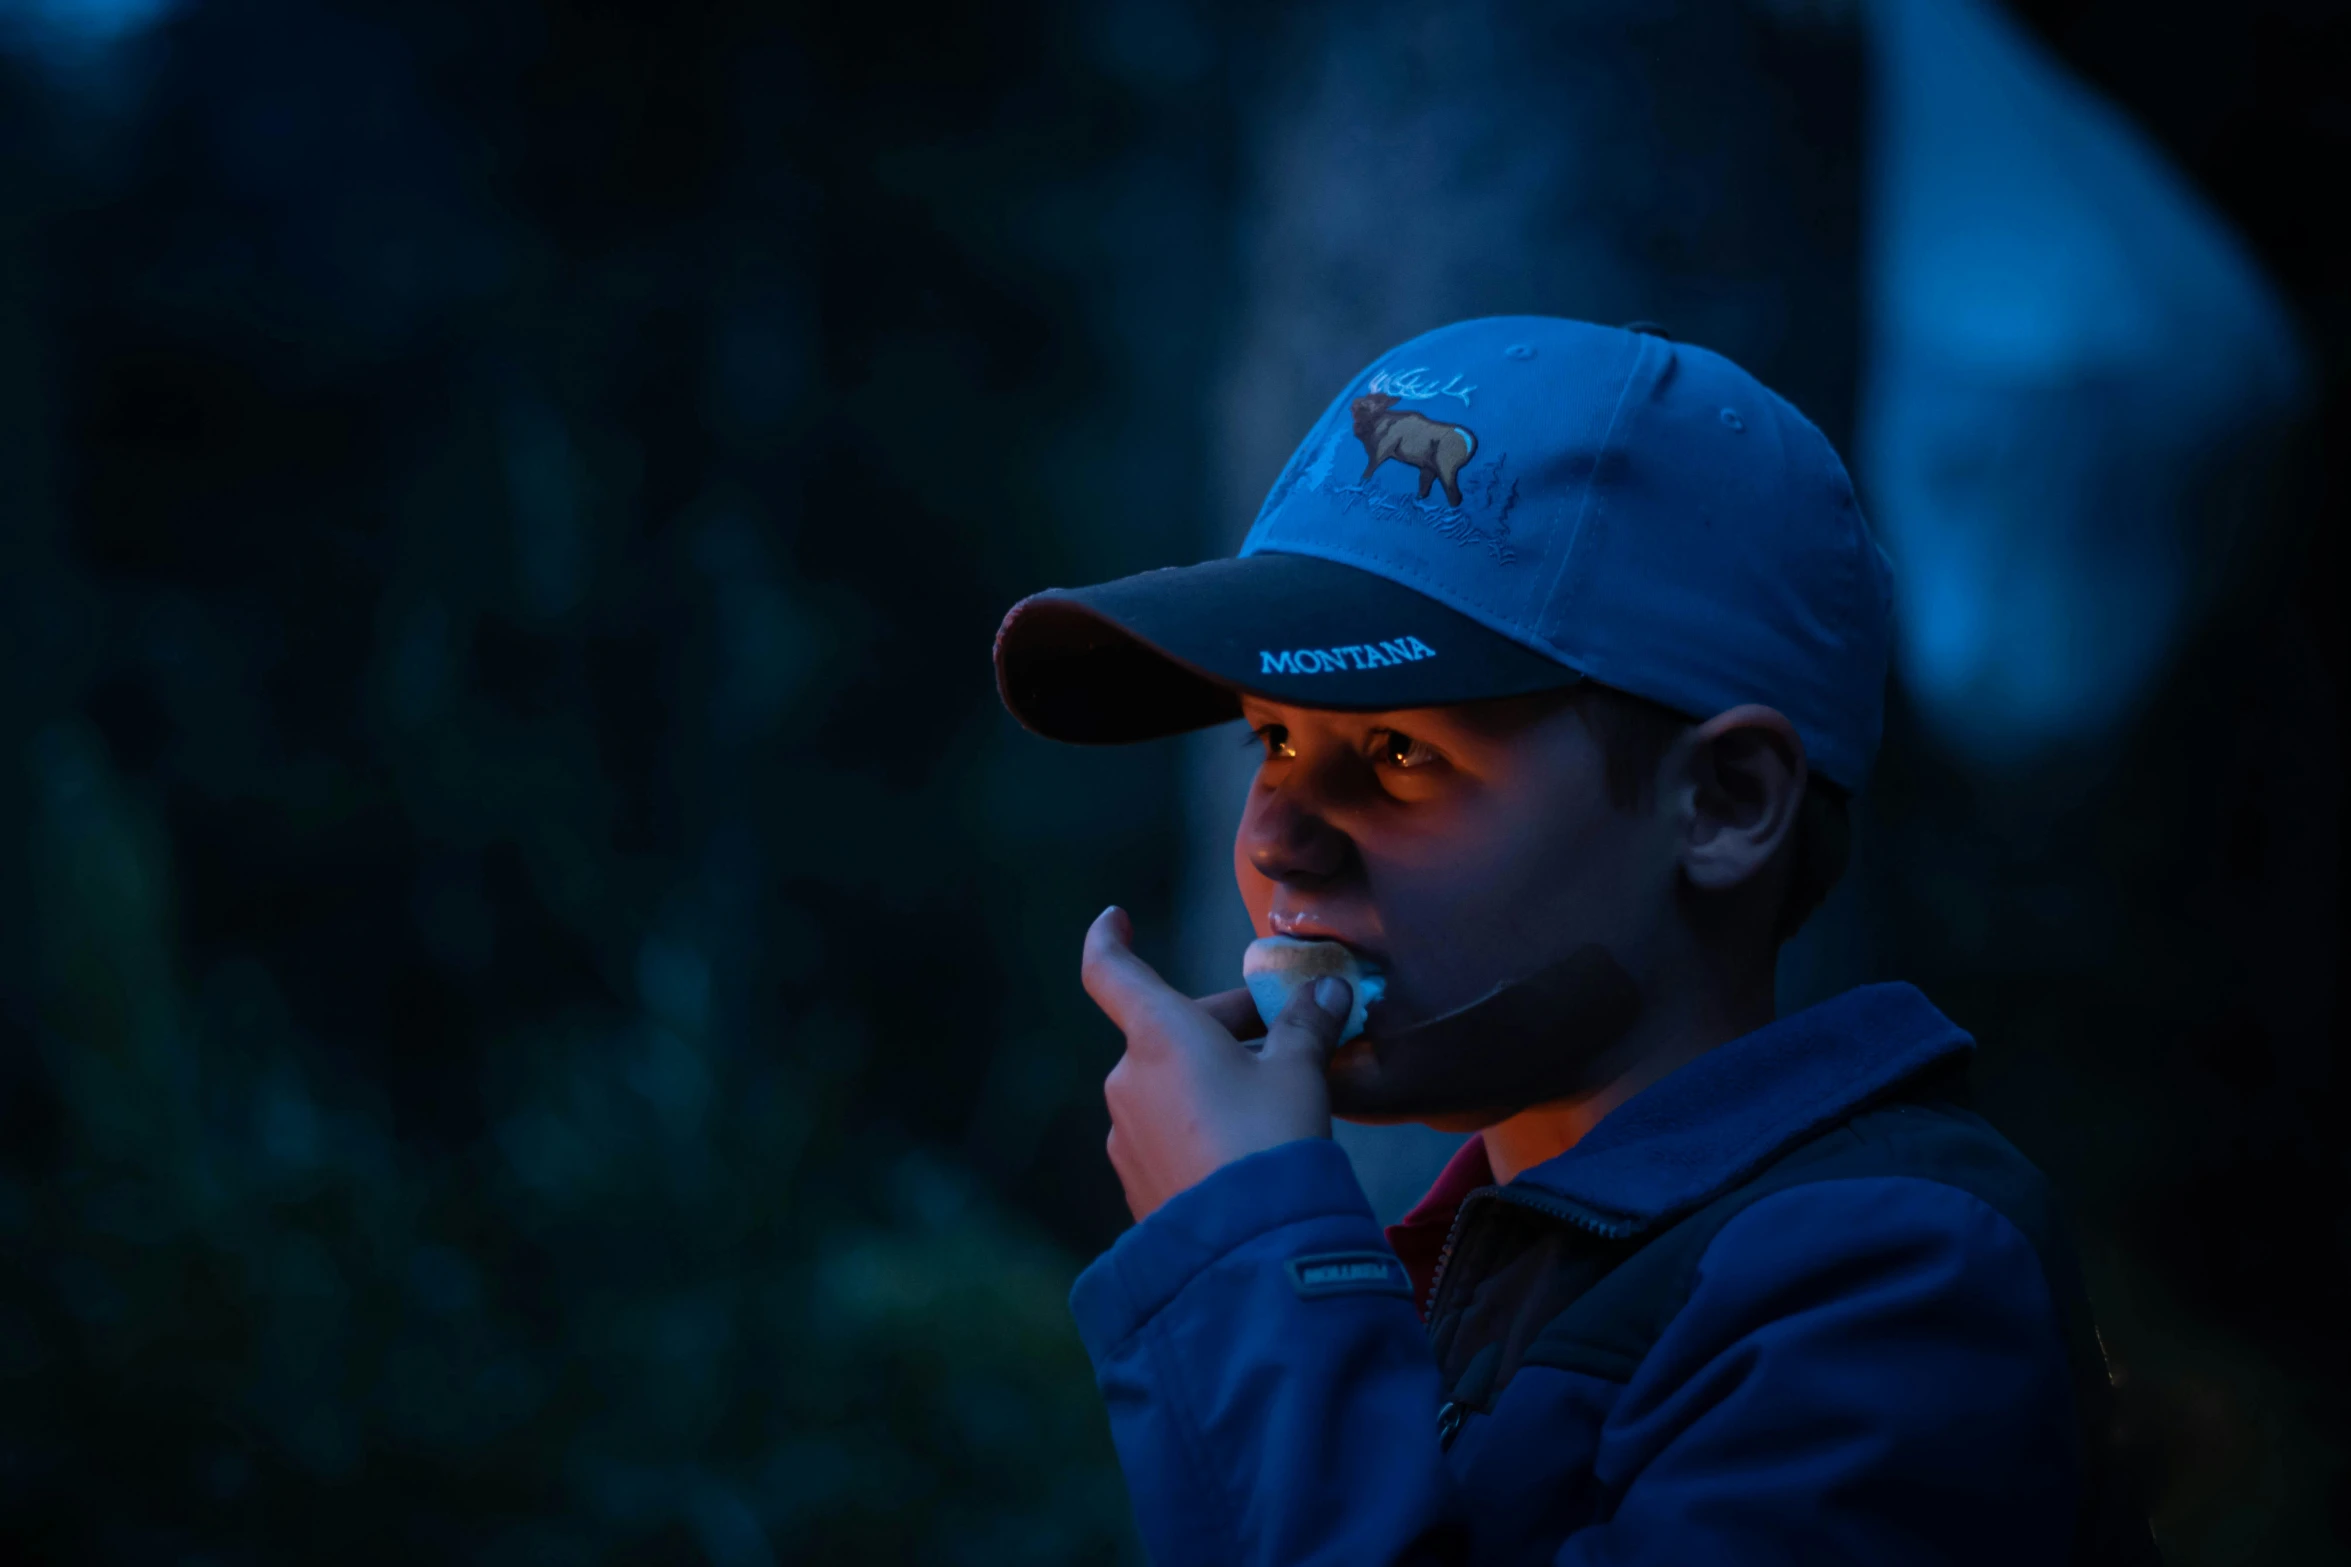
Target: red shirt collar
1419,1237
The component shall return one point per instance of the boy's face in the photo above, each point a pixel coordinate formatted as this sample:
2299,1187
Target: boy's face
1459,848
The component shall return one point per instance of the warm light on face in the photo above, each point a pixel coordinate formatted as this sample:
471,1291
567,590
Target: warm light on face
1458,847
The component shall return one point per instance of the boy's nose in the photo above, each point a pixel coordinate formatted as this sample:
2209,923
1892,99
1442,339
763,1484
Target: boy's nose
1288,841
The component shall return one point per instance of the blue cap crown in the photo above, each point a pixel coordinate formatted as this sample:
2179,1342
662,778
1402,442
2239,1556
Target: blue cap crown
1642,511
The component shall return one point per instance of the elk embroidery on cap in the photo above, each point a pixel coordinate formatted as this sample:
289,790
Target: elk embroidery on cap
1389,433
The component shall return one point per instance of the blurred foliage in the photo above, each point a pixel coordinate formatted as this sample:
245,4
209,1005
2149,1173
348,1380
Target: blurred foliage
538,976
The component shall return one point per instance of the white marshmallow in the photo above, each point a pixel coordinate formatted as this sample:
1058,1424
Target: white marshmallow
1275,968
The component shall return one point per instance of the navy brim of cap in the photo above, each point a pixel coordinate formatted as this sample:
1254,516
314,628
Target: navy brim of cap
1172,650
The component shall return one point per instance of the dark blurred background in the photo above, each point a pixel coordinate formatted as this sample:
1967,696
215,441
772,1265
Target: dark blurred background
540,1019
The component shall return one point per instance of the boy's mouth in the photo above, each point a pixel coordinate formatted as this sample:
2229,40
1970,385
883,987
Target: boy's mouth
1305,927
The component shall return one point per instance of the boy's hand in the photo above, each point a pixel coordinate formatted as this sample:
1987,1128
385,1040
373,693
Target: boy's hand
1188,1097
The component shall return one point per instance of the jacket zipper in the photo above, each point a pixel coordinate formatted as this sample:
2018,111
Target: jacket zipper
1451,1414
1449,1421
1548,1207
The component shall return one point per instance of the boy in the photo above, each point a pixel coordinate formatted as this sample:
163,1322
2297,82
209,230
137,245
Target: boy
1563,750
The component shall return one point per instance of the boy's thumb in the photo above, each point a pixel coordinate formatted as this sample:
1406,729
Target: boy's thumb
1310,1024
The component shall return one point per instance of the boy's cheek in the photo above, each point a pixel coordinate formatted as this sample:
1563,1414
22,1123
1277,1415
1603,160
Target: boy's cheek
1451,945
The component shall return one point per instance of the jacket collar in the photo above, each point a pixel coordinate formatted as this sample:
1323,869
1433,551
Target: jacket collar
1419,1237
1697,1131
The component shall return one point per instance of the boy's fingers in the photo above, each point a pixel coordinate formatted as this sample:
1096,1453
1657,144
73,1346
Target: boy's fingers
1121,983
1235,1012
1310,1024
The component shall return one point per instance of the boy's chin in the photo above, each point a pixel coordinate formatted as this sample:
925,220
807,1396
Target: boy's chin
1545,1037
1370,1090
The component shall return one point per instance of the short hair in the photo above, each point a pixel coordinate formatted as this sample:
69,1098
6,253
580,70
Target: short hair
1634,734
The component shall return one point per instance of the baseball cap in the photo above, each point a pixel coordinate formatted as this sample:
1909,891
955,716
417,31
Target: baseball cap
1503,506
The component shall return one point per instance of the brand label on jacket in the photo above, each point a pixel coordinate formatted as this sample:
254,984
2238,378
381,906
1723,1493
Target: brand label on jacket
1351,1273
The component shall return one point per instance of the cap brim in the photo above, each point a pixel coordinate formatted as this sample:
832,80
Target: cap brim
1166,651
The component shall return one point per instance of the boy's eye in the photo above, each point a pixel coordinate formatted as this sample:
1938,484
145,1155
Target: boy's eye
1394,748
1276,740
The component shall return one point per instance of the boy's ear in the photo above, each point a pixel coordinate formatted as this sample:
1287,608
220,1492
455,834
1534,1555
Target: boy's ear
1745,778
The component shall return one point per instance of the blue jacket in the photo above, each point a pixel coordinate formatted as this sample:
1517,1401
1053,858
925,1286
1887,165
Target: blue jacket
1793,1303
